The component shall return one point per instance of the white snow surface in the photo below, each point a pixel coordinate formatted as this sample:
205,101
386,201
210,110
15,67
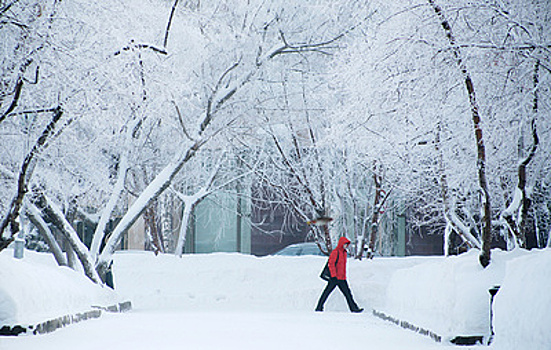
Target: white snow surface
523,306
235,301
449,297
35,289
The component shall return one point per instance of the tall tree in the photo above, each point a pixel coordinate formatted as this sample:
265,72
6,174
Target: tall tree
480,145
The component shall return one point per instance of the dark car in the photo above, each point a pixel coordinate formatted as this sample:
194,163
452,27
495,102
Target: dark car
300,249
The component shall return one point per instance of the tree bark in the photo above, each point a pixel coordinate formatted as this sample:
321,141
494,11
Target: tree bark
186,217
118,188
521,206
377,179
169,24
16,96
151,228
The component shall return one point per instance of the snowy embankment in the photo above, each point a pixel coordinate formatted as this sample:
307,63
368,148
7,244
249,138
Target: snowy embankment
523,305
451,298
231,281
38,295
448,296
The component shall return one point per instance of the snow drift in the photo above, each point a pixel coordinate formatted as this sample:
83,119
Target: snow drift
35,289
523,305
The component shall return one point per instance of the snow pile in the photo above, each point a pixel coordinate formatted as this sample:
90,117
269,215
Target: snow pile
35,289
450,297
447,296
523,304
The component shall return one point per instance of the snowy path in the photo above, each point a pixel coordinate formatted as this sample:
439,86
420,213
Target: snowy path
147,330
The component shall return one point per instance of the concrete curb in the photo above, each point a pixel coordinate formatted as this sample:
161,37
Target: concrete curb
51,325
404,324
457,340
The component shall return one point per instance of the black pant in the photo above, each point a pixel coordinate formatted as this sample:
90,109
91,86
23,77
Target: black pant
345,290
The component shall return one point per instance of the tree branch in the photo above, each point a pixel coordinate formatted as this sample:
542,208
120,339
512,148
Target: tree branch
133,46
27,168
169,24
16,96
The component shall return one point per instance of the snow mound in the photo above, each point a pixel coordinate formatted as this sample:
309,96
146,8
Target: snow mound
220,281
523,304
35,289
450,297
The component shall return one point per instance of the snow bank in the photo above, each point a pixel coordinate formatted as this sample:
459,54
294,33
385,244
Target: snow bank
450,297
231,281
35,289
220,281
447,296
523,304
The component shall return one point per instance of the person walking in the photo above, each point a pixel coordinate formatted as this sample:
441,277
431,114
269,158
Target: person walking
337,267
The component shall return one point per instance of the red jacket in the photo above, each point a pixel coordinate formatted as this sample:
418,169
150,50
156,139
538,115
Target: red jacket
337,267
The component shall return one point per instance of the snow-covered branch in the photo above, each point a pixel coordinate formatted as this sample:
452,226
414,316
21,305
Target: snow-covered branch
25,174
35,216
55,214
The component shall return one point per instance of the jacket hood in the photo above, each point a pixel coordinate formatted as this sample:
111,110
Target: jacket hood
342,242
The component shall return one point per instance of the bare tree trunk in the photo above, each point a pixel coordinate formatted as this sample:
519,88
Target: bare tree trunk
520,205
378,203
118,188
364,231
151,228
184,224
377,179
70,254
444,190
481,149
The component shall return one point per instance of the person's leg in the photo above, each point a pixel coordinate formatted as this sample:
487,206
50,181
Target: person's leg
345,289
325,294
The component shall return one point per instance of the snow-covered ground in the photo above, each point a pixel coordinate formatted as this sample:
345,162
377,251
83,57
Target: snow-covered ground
234,301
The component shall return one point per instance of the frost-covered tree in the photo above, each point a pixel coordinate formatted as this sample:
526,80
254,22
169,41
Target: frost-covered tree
424,75
144,88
